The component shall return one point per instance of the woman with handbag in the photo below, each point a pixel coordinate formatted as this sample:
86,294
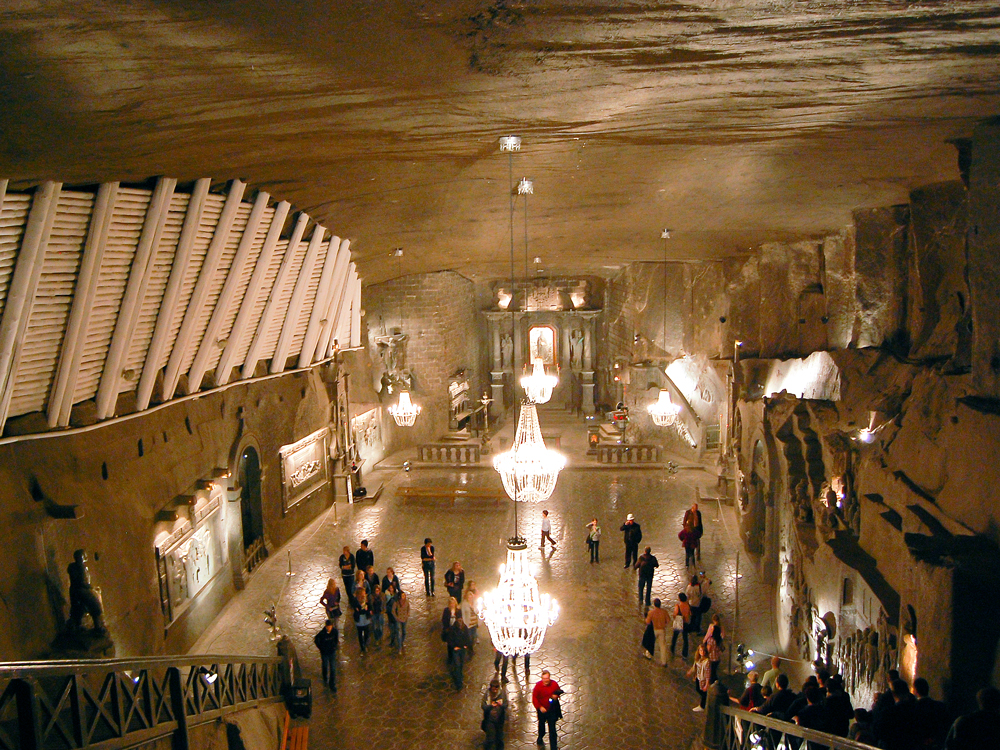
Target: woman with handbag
362,617
681,621
331,602
594,541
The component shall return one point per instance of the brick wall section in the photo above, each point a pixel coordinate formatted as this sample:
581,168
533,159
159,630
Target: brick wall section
440,317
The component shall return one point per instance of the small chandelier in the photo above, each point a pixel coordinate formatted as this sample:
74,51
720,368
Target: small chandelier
405,412
529,470
664,411
538,385
516,614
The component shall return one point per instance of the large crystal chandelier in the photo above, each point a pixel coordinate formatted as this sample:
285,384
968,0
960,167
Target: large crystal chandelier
516,614
538,385
664,411
529,470
405,412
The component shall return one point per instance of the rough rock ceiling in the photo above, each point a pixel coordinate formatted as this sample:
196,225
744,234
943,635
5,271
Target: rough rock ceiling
730,122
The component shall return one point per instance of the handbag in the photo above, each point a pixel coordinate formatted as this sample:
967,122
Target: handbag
678,622
706,602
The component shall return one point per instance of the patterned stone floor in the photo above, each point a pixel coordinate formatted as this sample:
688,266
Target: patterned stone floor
614,697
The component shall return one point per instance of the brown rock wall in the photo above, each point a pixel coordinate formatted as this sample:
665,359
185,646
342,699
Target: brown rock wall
984,257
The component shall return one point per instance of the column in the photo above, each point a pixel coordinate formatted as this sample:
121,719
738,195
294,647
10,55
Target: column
587,376
495,335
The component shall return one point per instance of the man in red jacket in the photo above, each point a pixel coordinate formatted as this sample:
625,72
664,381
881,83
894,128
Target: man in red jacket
545,699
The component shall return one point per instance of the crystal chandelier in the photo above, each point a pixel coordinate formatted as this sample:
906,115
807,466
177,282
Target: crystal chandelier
516,614
538,385
664,411
405,412
529,470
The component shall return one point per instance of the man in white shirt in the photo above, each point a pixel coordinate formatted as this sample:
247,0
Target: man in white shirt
546,530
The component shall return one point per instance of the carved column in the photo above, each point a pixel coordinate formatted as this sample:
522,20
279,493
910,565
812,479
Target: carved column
587,376
495,335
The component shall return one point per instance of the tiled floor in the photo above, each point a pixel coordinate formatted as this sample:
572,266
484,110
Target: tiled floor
614,697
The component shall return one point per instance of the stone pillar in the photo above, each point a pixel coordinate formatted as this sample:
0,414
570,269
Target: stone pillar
496,393
495,336
588,346
587,385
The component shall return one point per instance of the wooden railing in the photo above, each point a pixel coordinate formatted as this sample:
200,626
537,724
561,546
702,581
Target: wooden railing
448,453
745,730
254,555
628,454
120,703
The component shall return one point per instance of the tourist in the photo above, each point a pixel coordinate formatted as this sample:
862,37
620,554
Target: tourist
361,582
932,716
813,716
657,617
646,565
898,729
454,580
471,619
372,577
690,543
802,700
632,535
401,611
331,601
457,639
347,568
594,541
692,517
861,730
494,714
839,710
427,561
715,644
693,592
451,613
681,622
780,700
701,671
364,556
390,595
980,729
545,699
546,530
378,613
771,675
391,578
327,640
362,617
752,696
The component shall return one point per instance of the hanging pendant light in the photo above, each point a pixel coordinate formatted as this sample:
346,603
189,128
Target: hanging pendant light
516,613
405,411
664,411
538,385
529,470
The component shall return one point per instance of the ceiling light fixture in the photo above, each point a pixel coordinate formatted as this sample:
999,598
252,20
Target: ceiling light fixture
404,412
529,470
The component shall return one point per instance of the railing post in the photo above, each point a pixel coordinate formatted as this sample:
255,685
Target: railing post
718,696
178,705
27,715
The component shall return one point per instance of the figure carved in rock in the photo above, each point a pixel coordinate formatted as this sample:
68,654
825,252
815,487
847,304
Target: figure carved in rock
507,352
576,343
83,600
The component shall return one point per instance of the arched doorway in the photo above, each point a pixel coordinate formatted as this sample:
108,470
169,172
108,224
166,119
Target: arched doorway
252,509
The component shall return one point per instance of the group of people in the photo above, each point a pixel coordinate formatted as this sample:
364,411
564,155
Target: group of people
373,602
901,717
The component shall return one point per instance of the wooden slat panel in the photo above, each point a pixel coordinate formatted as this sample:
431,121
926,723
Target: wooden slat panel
281,303
159,273
13,216
53,298
123,236
215,285
272,273
206,230
309,300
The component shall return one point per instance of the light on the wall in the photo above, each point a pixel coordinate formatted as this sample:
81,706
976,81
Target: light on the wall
510,143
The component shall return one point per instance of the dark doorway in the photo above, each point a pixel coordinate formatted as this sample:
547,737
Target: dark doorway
250,499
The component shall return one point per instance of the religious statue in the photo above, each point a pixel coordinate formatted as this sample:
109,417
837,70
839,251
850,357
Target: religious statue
576,349
83,600
507,351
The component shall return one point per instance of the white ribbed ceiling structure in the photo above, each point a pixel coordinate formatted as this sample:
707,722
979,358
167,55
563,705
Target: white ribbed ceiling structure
160,292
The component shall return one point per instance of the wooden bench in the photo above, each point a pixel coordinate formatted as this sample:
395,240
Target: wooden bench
408,492
294,738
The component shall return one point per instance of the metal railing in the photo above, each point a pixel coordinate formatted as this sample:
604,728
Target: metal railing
119,703
745,730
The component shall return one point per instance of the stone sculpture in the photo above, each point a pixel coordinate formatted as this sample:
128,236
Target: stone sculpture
83,599
507,351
